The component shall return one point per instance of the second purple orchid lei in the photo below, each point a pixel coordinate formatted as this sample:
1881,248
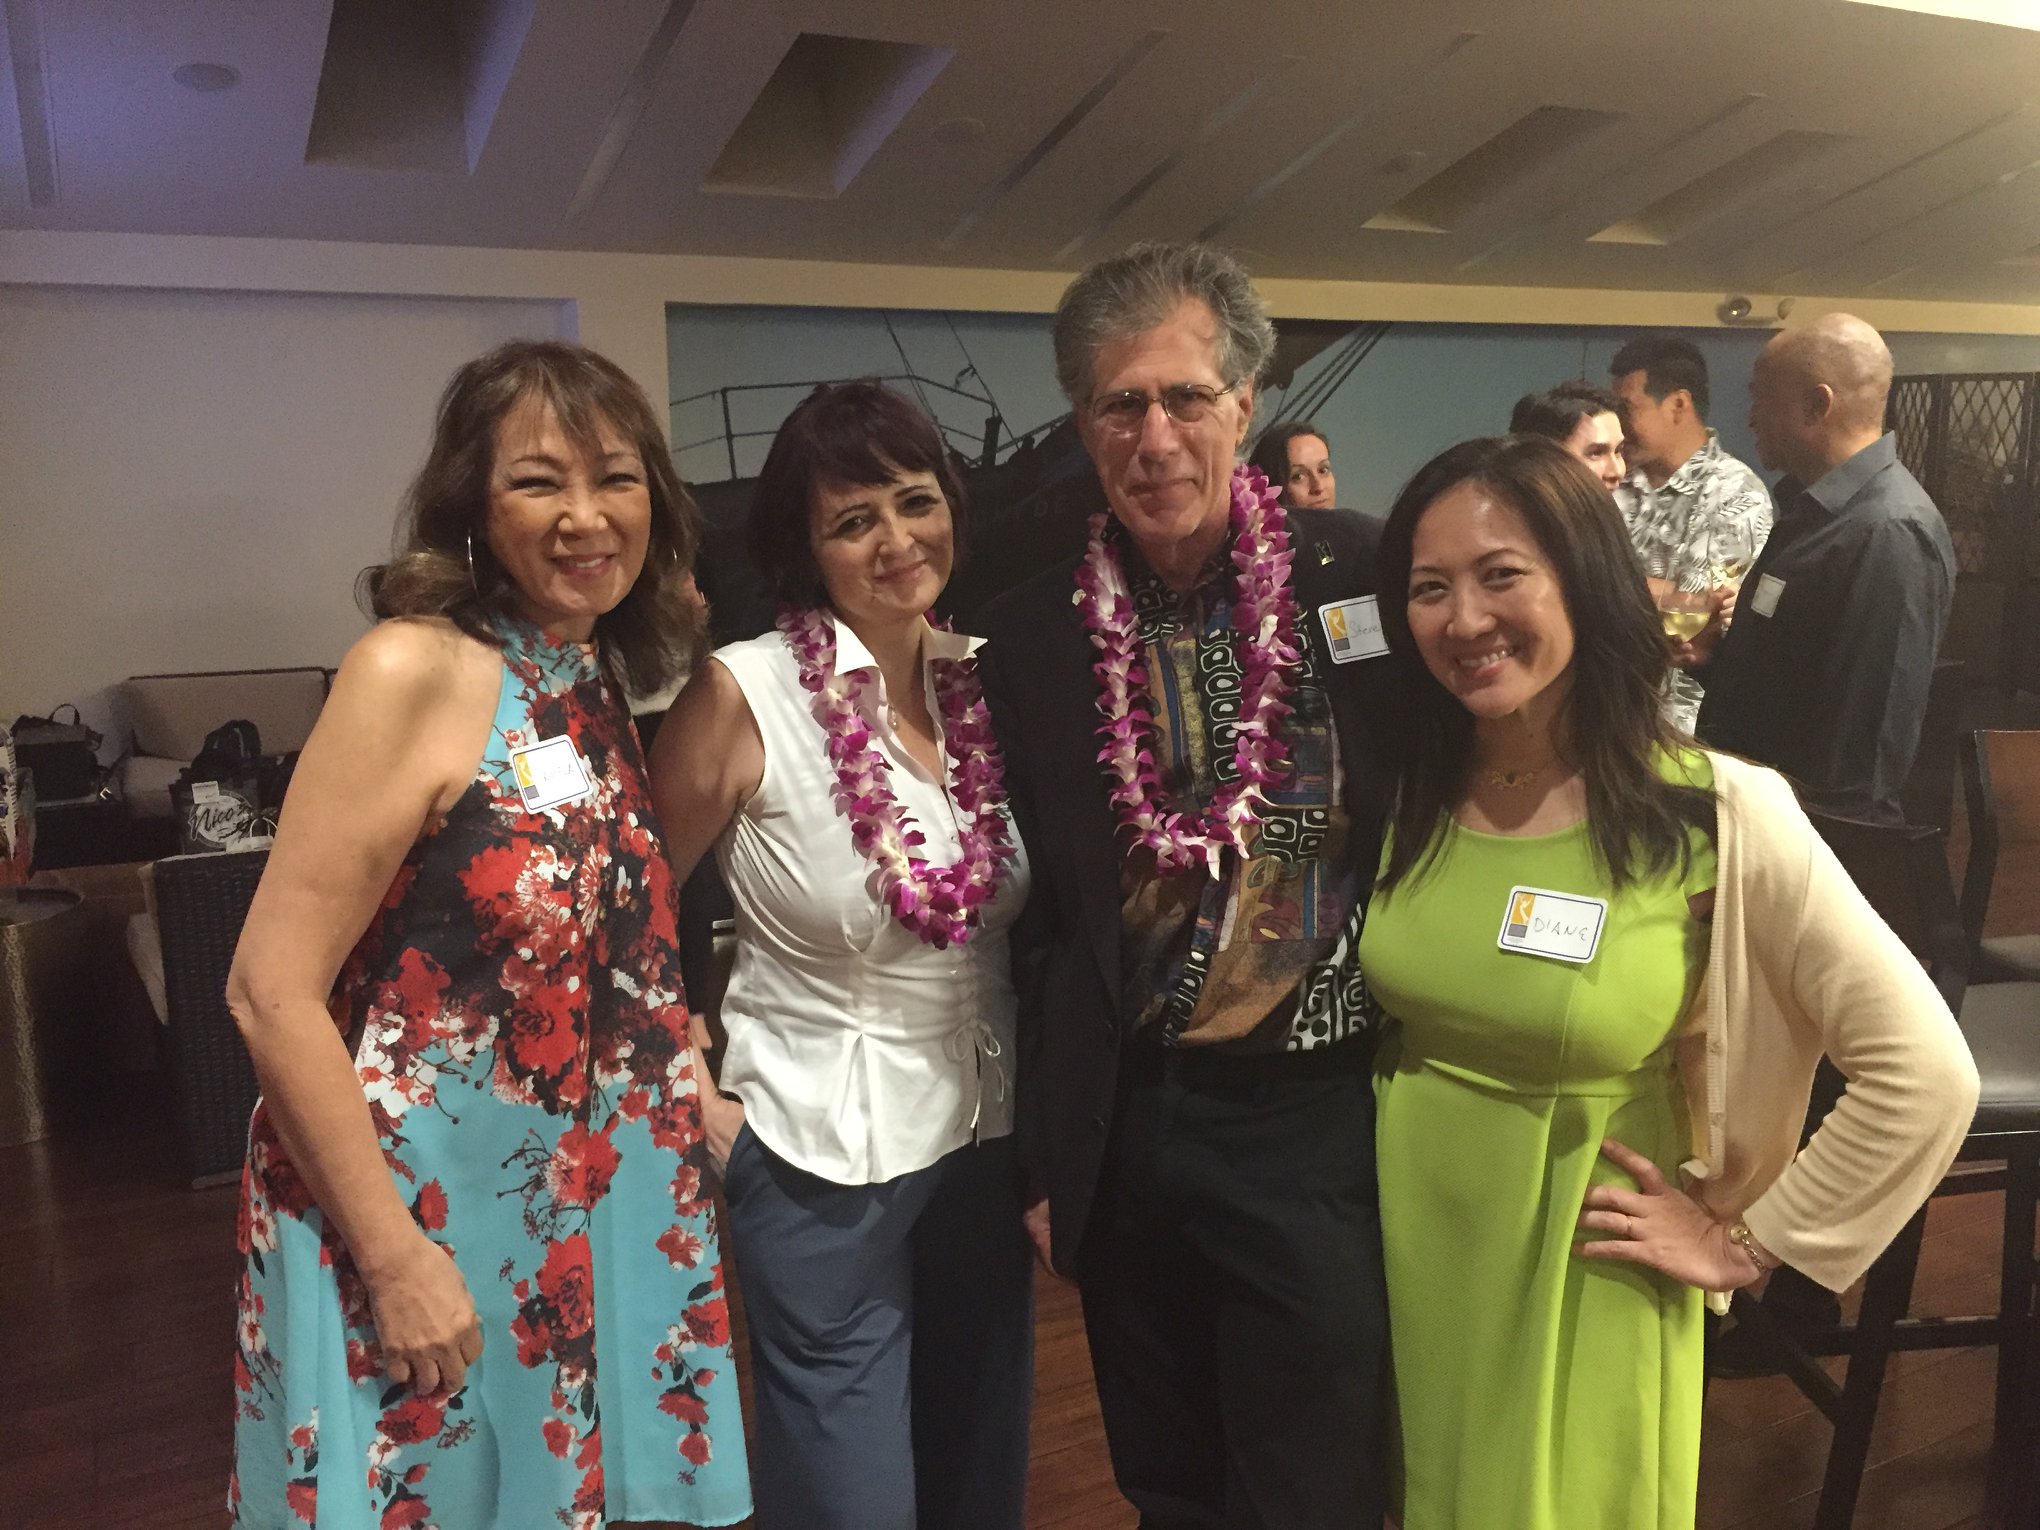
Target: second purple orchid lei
1264,628
939,904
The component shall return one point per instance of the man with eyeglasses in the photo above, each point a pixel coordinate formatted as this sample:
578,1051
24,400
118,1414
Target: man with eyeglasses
1195,1105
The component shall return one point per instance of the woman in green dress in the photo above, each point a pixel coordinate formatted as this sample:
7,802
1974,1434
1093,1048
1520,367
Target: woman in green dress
1612,960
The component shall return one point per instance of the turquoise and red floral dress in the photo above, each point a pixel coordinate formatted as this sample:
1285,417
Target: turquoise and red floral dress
524,1054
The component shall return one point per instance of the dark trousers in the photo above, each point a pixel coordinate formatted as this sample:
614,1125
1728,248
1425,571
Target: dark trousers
892,1342
1232,1289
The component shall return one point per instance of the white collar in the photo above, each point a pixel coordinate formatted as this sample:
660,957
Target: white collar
852,655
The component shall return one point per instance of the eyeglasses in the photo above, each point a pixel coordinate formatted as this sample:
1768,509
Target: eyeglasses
1124,413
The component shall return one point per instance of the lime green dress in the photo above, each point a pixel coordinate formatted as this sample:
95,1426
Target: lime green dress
1537,1390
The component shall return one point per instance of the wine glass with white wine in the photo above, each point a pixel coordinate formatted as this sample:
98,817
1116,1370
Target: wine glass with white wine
1731,549
1685,613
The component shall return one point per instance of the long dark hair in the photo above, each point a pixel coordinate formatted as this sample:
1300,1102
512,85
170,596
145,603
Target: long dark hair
443,566
1614,728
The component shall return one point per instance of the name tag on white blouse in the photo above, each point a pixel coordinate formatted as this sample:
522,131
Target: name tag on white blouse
1769,589
1353,629
549,774
1540,922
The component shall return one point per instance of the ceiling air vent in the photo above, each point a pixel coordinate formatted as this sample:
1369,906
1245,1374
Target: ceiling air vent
1523,148
1698,201
828,106
405,86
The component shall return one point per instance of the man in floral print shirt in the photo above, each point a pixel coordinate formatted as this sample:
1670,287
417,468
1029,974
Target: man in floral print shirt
1697,516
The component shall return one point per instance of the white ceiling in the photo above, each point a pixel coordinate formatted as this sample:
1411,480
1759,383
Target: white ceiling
1891,153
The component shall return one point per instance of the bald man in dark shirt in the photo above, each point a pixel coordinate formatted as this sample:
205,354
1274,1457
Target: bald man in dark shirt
1823,673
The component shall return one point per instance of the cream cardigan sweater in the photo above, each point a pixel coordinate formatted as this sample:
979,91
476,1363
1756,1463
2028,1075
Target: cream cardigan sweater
1799,964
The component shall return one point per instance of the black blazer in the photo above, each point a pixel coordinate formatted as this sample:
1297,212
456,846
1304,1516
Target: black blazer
1037,675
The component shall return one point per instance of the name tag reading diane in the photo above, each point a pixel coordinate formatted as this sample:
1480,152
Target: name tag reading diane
1563,926
549,774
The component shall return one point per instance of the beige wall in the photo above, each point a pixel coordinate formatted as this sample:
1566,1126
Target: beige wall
193,479
204,439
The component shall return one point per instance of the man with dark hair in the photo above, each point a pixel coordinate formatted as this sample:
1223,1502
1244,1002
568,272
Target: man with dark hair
1696,515
1195,1095
1584,419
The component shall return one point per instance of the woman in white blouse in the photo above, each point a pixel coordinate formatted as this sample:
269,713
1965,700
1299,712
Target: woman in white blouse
844,772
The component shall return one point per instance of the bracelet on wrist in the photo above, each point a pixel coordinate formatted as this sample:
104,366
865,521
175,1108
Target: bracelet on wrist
1740,1235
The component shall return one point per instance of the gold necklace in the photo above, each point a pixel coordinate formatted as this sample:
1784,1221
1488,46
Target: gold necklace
1509,780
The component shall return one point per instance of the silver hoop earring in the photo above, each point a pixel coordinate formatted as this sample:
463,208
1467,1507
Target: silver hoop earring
473,583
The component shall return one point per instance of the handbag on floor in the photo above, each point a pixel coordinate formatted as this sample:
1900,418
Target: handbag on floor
63,755
217,800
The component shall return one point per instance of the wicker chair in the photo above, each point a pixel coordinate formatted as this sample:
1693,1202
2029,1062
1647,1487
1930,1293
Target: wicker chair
201,901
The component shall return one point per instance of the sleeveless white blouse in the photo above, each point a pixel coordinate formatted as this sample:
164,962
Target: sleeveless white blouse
860,1052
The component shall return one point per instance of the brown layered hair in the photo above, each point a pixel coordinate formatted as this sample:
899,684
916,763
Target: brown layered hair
442,565
1614,729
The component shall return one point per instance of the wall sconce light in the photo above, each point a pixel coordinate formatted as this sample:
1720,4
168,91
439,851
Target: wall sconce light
1737,310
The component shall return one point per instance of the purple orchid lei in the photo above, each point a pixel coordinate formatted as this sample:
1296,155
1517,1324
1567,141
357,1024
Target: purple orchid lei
940,904
1264,626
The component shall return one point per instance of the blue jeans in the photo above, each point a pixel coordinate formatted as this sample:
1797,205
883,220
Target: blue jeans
892,1342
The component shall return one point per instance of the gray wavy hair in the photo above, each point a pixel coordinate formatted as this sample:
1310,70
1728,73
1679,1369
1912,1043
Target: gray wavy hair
1130,293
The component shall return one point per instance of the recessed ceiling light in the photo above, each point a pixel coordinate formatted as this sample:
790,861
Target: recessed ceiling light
206,77
2003,13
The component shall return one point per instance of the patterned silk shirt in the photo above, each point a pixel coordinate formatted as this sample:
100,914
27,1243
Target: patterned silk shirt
1713,511
1266,955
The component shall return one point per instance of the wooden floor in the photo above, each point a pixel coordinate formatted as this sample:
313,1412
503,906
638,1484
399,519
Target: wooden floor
116,1331
116,1335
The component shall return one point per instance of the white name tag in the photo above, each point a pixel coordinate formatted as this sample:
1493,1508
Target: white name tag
1765,601
1544,923
550,773
1353,629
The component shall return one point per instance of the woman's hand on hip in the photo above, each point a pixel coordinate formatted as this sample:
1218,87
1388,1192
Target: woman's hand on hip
424,1318
1659,1225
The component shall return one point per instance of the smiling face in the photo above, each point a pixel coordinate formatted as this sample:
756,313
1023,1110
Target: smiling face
1167,482
885,550
1309,484
569,527
1485,607
1597,441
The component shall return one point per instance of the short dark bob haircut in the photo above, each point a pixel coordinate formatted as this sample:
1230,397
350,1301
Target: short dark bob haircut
442,565
859,433
1614,730
1556,412
1271,451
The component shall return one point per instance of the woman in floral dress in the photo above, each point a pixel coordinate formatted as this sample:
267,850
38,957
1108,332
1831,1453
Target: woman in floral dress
482,1283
